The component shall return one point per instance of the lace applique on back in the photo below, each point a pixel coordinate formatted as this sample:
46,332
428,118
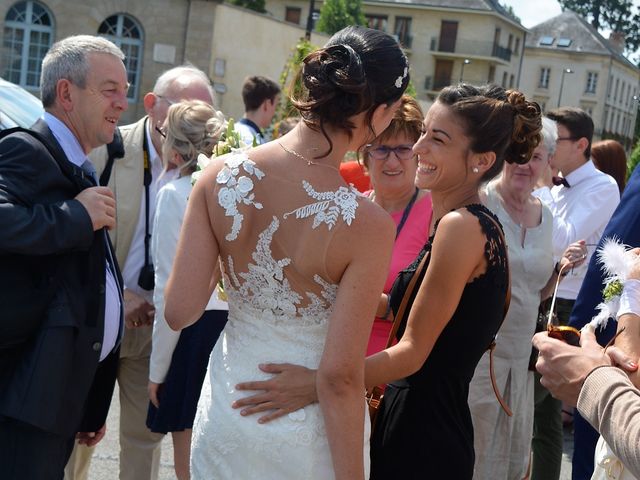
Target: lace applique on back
266,288
237,189
329,206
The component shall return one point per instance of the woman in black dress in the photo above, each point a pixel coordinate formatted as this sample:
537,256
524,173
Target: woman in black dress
424,428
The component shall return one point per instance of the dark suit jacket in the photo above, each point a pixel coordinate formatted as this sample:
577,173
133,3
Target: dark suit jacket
53,381
625,225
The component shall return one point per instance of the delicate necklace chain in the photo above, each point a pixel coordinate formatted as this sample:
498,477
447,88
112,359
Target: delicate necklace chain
302,157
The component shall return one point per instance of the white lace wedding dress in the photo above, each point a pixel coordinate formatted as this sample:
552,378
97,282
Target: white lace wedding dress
280,301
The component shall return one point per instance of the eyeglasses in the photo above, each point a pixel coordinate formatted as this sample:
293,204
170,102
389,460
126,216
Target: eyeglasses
382,152
161,132
169,102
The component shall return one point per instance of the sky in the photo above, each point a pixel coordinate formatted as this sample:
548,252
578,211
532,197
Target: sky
534,12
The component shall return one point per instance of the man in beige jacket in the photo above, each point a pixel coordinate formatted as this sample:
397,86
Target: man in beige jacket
139,447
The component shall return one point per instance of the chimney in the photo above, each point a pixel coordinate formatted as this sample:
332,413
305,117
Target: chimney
616,40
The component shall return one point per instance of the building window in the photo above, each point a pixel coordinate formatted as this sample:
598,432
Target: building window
292,15
126,33
510,42
28,34
547,41
402,31
564,42
512,80
516,49
615,90
492,74
379,22
504,79
592,82
545,73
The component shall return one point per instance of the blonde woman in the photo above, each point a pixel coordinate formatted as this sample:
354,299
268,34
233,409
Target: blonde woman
179,359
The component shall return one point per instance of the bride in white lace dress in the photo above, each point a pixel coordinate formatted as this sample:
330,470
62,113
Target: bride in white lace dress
304,259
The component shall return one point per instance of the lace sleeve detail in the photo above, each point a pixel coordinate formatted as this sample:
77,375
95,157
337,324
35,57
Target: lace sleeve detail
238,185
495,248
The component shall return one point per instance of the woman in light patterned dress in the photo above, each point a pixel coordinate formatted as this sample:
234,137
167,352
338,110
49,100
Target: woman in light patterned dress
296,244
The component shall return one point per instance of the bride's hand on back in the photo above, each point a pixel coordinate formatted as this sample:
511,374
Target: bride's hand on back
292,387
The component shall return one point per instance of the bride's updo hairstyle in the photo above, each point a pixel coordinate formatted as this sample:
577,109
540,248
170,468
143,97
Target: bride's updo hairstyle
496,120
356,71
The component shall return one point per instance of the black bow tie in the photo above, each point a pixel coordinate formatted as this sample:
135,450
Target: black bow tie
560,181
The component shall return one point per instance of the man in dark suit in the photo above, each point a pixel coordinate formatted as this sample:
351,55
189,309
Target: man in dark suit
624,225
53,219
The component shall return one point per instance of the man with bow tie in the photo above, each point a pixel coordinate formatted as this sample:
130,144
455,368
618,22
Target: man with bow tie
57,265
581,200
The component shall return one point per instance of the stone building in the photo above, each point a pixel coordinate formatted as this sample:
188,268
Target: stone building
567,62
227,42
447,41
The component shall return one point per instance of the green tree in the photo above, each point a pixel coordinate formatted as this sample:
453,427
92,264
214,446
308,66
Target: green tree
256,5
334,16
634,160
354,9
290,82
614,15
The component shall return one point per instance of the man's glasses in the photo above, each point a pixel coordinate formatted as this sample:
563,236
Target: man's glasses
161,132
382,152
169,102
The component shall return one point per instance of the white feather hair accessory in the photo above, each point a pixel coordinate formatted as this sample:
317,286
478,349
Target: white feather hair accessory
616,259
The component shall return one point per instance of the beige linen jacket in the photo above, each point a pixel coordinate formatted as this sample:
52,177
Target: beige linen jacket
126,182
610,402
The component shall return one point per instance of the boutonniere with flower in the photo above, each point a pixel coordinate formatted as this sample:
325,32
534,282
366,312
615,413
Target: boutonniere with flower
617,260
230,141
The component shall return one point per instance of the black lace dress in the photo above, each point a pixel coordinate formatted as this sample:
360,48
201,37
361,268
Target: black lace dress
424,428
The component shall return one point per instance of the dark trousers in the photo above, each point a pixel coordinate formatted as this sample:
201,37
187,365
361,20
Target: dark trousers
546,445
28,453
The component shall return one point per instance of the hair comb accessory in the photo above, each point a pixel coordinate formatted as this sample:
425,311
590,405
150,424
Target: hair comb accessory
401,78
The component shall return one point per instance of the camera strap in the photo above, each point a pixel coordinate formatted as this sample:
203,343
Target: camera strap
146,180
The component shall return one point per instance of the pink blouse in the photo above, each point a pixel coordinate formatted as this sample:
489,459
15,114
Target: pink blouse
412,238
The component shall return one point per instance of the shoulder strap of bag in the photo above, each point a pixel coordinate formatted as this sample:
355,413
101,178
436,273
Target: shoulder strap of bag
115,150
405,299
507,302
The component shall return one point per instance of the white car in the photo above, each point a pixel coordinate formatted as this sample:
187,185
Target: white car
18,108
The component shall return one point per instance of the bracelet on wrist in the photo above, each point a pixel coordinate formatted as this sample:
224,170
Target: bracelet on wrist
557,270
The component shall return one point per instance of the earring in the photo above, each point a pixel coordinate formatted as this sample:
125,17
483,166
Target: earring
475,170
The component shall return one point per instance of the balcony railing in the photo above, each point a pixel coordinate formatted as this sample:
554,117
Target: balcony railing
473,47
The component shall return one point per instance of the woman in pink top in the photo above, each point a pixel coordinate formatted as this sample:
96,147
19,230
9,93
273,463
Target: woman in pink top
392,166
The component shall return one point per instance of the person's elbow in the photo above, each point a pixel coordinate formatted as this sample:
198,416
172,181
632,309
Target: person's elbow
175,315
335,381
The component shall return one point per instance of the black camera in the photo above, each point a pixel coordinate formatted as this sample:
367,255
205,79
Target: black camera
146,279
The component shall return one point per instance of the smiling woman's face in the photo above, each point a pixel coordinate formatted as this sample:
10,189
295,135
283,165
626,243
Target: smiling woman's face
395,174
442,150
524,177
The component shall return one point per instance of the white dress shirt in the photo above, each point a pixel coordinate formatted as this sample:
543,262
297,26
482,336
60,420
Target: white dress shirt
112,304
171,207
580,212
135,257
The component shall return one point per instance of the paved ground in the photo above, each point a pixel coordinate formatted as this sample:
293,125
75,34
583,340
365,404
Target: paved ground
105,461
